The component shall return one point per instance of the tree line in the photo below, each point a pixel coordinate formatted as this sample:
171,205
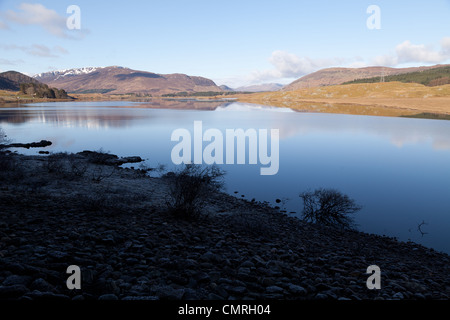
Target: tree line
42,91
432,77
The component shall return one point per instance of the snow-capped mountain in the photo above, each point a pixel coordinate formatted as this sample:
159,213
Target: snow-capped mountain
56,75
120,80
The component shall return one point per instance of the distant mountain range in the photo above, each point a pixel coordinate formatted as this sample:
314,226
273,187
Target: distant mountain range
119,80
226,88
337,76
261,87
254,88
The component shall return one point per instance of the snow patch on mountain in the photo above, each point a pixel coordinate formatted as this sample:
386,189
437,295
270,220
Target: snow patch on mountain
68,72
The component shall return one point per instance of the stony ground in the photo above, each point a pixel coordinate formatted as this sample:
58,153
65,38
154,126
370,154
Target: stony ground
113,223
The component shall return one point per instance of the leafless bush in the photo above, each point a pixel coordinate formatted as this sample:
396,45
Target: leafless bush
190,187
78,167
56,163
329,207
100,173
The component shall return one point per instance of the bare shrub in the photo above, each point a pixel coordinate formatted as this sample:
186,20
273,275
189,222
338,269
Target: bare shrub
99,174
56,163
329,207
78,167
67,166
190,187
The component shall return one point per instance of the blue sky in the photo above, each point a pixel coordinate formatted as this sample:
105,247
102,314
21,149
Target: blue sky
232,42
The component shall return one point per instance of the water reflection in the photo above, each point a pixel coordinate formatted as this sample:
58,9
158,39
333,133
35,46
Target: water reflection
342,108
89,118
246,107
400,132
103,114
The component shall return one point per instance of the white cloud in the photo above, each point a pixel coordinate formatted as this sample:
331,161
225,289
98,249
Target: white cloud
61,50
41,51
445,44
3,26
37,50
408,52
38,14
389,60
7,62
290,66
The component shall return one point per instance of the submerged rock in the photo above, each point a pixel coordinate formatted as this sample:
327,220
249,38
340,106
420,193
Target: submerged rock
41,144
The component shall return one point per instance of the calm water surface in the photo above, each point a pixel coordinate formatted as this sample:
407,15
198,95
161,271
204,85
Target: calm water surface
397,168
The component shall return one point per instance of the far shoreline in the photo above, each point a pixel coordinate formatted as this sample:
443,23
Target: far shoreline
391,99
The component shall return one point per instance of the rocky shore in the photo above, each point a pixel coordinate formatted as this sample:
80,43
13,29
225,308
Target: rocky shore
113,223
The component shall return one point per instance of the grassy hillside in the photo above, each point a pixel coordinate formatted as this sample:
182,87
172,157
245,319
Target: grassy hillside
433,77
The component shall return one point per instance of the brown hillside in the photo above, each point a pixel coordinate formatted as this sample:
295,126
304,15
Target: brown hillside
413,97
336,76
11,80
117,80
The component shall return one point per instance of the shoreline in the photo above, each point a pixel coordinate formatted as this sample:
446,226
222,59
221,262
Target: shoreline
435,107
113,222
